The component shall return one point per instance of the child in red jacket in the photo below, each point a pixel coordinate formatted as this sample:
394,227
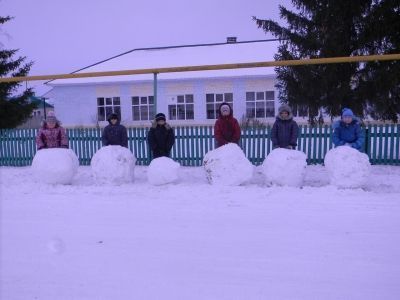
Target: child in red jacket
226,129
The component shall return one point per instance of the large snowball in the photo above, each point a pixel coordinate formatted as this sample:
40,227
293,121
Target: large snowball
347,167
55,165
163,170
227,165
113,164
285,167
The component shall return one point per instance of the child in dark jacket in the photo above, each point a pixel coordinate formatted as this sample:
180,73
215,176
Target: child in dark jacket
226,128
114,133
285,130
348,131
161,137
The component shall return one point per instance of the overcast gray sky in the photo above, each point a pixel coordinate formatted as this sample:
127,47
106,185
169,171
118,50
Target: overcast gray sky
62,36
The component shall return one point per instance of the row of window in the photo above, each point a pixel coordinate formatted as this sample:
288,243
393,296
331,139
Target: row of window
258,105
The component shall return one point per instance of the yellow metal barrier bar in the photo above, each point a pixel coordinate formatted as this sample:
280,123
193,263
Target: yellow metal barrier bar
300,62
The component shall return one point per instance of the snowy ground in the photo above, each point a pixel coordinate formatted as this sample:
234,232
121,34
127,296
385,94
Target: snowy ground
191,240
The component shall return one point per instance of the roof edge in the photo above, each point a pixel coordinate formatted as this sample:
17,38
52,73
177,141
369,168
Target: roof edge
168,47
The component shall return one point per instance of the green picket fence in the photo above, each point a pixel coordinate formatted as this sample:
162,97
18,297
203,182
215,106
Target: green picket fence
17,146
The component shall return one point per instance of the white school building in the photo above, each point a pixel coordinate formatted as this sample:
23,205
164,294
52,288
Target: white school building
186,98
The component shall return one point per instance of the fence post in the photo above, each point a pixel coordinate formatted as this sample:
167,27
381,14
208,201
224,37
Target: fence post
366,141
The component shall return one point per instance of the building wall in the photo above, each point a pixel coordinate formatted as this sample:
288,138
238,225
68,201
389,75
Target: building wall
76,106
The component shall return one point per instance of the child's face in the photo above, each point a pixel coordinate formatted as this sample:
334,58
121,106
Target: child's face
225,113
51,124
225,110
347,119
160,122
284,114
114,121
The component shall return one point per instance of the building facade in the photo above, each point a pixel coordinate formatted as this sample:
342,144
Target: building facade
186,98
190,102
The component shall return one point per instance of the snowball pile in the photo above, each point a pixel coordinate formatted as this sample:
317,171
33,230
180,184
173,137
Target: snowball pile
113,164
163,170
285,167
55,165
347,167
227,165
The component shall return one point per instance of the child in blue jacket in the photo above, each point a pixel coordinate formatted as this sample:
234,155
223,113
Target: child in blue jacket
348,131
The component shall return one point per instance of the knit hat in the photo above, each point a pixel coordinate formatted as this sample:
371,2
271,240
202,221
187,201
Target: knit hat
347,112
51,117
159,117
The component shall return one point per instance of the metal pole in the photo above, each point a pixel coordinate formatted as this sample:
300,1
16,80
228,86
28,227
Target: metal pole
44,106
155,92
296,62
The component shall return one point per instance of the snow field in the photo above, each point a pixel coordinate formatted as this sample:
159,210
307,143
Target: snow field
193,240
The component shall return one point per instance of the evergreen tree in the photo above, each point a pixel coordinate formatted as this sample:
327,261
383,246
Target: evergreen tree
379,82
322,28
14,109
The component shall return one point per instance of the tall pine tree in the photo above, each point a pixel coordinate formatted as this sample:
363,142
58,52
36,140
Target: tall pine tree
326,28
379,82
14,109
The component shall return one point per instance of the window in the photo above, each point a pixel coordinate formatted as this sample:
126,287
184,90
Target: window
260,104
299,111
183,109
213,101
143,108
107,106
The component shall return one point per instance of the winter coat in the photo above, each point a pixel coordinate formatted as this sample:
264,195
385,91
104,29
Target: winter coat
348,134
284,132
161,138
226,129
115,135
51,137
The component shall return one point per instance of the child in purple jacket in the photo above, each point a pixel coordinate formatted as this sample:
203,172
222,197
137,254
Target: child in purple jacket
51,134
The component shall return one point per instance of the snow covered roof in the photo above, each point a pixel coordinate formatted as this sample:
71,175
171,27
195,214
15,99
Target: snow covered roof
180,56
